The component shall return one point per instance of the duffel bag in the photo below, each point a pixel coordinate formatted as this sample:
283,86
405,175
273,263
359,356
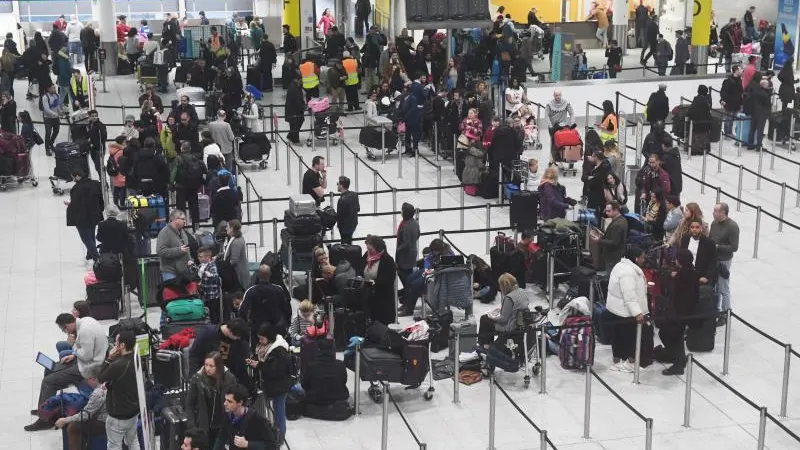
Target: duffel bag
327,217
107,267
185,310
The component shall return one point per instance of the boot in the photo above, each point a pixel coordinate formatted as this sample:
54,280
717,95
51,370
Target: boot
39,425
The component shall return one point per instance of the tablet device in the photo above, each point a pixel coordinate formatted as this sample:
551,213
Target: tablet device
45,361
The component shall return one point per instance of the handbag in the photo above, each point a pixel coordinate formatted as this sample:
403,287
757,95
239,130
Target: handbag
401,127
617,68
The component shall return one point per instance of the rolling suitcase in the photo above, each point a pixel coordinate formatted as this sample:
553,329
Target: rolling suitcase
309,348
204,206
301,243
302,205
304,224
716,128
524,210
149,275
168,369
173,427
488,186
381,365
254,77
349,253
104,299
415,363
467,340
348,323
741,128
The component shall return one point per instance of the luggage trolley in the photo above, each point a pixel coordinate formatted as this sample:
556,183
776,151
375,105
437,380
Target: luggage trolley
325,122
518,349
22,172
378,134
565,156
68,155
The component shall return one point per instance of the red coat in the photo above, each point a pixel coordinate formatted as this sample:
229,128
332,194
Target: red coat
61,24
122,32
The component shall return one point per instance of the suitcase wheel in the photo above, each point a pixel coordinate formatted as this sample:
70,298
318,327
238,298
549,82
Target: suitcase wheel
527,381
428,395
375,394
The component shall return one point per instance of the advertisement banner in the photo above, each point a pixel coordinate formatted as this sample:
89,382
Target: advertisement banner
786,31
701,22
555,66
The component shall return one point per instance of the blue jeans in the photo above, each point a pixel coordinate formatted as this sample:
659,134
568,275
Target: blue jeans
76,49
724,288
167,276
279,405
63,348
87,236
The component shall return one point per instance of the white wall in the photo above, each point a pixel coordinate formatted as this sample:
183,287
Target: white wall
596,91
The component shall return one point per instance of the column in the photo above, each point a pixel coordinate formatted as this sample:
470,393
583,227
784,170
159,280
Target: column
103,14
621,17
701,33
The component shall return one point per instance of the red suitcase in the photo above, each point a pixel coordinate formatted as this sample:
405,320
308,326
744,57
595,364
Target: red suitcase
22,165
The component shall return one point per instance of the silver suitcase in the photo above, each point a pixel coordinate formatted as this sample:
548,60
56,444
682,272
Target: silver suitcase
302,205
467,340
195,94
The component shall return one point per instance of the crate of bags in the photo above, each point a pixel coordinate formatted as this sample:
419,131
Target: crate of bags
147,214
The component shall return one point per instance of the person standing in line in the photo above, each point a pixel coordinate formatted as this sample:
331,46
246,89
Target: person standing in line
642,17
244,427
407,244
85,209
363,10
725,234
315,180
172,246
730,97
189,178
627,298
295,108
684,300
51,110
222,133
274,365
73,32
615,237
122,396
651,40
347,210
267,59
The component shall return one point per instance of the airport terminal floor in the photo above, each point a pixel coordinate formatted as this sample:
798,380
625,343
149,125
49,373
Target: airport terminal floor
42,271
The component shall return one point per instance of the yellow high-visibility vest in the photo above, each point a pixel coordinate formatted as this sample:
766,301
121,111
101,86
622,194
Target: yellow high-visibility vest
351,68
309,75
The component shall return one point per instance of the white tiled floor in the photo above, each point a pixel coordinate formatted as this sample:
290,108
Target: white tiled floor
41,275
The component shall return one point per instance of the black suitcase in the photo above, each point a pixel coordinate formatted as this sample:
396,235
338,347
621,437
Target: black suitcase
371,138
250,152
168,369
254,77
512,262
716,128
350,253
524,210
378,364
488,187
66,150
701,333
348,323
104,299
147,71
309,348
301,243
261,140
417,10
173,427
779,121
150,285
301,225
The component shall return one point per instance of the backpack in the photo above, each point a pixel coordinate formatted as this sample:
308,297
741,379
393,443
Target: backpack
576,346
192,172
108,267
112,169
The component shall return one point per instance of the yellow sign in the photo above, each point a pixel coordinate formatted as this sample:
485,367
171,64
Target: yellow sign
701,22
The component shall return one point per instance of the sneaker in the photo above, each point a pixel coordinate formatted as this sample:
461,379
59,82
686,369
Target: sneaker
39,425
626,367
616,367
672,370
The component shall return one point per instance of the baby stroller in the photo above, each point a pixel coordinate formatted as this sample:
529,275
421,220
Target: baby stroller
326,122
516,350
387,357
68,155
531,130
566,149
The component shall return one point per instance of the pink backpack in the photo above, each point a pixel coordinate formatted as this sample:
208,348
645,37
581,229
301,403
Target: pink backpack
318,105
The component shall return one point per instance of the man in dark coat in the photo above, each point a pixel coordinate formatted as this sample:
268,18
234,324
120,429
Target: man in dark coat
761,98
112,233
658,105
85,209
506,147
90,42
264,303
363,10
731,95
456,112
642,18
651,35
98,135
347,210
295,108
334,45
613,241
230,339
267,59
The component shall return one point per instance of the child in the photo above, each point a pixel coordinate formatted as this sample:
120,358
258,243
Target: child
532,181
301,322
210,284
489,134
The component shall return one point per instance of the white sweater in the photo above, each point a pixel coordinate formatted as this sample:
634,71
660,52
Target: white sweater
90,346
627,290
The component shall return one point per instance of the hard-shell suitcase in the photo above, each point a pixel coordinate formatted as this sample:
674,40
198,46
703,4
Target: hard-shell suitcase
466,331
104,299
348,323
148,273
378,364
168,329
254,77
168,369
195,94
524,210
741,128
349,253
302,205
488,186
302,224
301,243
716,128
204,206
415,363
173,427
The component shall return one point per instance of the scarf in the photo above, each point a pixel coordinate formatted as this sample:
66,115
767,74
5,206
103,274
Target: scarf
372,258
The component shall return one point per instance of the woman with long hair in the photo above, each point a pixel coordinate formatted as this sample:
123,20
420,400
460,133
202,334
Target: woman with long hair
614,190
608,126
234,252
206,394
690,212
407,243
275,373
552,196
655,214
380,271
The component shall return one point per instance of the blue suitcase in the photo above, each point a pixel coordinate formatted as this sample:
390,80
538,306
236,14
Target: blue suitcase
742,128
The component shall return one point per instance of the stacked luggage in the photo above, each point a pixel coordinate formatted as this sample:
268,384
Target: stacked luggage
68,156
151,211
182,306
104,296
15,161
301,233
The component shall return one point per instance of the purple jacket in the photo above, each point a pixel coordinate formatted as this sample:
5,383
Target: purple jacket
551,202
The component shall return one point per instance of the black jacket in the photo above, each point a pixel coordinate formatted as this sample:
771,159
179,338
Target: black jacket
706,260
8,117
334,45
658,106
506,146
149,174
642,16
325,380
267,56
98,135
652,32
276,371
209,338
731,93
185,108
295,103
455,114
686,292
700,115
204,401
253,427
186,132
11,46
289,43
225,205
89,41
347,210
652,142
122,394
613,241
381,300
594,182
671,162
363,8
113,235
761,103
200,77
786,77
266,302
85,204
